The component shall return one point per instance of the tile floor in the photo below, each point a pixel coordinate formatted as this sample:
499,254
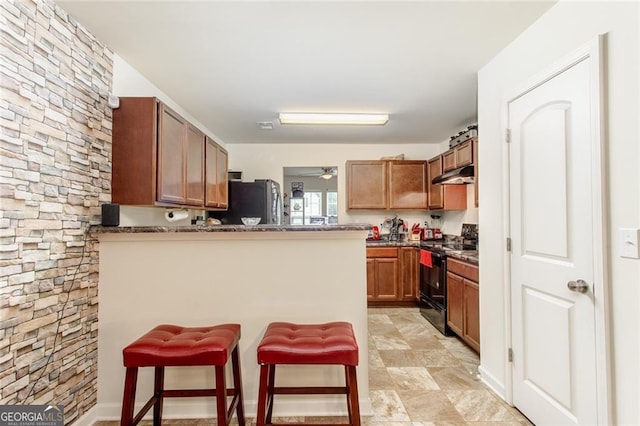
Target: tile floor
417,377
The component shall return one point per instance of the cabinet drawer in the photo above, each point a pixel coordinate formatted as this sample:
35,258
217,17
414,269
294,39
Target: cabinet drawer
382,252
466,270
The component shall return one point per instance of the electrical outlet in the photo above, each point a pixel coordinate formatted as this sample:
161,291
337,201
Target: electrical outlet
629,243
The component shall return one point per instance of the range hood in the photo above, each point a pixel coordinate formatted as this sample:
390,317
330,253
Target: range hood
459,176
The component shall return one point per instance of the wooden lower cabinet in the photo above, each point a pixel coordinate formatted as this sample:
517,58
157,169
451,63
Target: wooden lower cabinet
455,303
382,274
409,262
392,275
463,308
384,285
472,314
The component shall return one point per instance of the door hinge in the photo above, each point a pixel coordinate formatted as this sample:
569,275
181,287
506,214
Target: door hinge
508,244
510,354
507,135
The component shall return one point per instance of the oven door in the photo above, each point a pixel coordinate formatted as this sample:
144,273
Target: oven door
433,280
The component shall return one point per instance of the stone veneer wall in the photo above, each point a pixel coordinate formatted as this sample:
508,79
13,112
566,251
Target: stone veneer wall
55,171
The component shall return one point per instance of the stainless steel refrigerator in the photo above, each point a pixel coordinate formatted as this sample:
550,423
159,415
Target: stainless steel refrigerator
260,198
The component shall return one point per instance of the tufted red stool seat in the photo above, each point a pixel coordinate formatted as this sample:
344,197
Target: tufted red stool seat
175,346
287,343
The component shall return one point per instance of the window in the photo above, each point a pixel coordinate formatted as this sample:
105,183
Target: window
332,203
312,205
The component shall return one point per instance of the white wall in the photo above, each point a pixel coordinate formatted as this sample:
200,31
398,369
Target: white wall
265,161
546,41
199,278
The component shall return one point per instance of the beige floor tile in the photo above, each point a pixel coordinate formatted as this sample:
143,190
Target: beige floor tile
432,406
400,358
377,317
479,405
437,358
455,378
380,379
412,378
383,329
389,342
387,406
375,360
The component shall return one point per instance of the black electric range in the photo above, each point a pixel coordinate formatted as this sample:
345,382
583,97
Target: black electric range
433,275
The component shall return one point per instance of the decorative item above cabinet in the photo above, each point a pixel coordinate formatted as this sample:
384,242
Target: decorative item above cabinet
160,159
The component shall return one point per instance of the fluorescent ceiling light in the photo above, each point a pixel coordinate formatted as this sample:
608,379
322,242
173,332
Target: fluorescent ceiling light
333,118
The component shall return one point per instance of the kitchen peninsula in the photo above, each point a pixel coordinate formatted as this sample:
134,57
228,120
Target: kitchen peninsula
251,275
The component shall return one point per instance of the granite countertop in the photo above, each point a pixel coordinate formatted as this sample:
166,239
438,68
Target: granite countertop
383,243
99,229
470,256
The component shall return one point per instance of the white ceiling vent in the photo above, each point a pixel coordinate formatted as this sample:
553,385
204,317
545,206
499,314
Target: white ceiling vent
265,125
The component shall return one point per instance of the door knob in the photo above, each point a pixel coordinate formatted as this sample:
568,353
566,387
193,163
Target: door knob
580,286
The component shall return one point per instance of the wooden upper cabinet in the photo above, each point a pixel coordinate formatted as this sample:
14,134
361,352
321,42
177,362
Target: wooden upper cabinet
464,153
475,170
195,167
436,192
171,157
461,155
408,185
367,184
222,171
444,197
158,157
135,152
217,182
449,160
383,185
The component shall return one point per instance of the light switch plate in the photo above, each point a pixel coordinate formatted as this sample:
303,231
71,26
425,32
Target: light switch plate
629,243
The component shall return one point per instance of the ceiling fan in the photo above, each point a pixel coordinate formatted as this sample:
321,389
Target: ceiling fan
321,172
328,173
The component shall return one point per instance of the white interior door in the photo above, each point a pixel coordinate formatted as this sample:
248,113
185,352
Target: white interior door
554,220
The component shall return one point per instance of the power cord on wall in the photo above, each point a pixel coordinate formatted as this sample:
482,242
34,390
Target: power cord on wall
43,369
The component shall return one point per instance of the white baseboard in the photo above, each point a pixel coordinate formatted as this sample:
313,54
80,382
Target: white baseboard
199,409
492,382
88,418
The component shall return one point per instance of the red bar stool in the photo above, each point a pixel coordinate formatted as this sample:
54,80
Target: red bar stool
287,343
175,346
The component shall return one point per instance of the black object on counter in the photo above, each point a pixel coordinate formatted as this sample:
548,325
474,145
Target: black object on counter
260,198
110,215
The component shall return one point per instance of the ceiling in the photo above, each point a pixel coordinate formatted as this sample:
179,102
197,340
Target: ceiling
232,64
